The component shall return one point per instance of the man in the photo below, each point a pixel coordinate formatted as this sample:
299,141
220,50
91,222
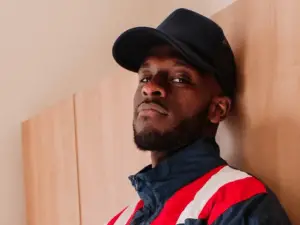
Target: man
186,73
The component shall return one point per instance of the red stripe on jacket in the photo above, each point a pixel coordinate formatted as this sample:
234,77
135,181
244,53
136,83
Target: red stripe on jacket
116,217
177,203
229,195
139,205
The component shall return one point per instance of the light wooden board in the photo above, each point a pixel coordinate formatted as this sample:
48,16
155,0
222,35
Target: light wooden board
265,131
50,167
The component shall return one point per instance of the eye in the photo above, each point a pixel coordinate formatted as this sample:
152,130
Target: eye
178,80
181,78
144,79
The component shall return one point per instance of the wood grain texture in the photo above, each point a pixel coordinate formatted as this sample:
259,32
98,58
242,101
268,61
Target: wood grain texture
265,128
107,155
49,153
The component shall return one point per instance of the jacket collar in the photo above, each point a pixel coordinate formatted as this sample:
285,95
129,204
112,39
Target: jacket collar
156,185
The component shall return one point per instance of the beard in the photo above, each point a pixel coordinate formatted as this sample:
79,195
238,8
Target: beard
186,132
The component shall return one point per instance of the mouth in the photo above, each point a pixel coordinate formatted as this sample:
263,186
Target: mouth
151,109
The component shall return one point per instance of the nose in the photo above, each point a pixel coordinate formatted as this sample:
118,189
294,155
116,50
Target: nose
153,89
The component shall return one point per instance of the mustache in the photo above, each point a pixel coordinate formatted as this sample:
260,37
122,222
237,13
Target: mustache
154,101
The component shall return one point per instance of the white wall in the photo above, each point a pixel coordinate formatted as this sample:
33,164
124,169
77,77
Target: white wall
50,49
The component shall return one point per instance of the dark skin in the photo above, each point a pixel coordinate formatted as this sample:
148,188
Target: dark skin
181,91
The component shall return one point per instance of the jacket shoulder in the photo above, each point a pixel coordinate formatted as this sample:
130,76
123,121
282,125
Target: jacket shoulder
246,199
262,209
230,186
225,188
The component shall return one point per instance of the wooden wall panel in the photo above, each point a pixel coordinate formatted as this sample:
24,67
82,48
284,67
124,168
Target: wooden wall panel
265,127
107,155
50,167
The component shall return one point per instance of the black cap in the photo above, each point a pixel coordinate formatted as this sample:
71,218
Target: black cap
200,40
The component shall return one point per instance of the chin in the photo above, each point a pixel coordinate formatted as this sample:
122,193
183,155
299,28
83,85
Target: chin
144,130
153,137
146,126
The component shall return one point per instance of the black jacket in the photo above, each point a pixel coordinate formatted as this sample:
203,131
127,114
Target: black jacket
156,186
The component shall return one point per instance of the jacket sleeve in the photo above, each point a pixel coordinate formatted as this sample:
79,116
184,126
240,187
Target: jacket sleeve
262,209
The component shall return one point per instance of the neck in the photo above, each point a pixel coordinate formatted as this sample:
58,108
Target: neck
159,156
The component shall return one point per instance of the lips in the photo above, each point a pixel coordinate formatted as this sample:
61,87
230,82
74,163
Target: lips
151,107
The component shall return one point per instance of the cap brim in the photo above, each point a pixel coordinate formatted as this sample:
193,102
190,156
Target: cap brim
131,48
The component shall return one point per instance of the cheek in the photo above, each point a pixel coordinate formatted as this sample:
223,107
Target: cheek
189,104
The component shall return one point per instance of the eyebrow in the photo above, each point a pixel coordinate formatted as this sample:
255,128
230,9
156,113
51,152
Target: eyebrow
180,62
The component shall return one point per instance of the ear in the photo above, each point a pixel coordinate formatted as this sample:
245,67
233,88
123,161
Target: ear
219,109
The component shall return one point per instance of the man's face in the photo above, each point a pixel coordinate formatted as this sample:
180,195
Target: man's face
171,102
